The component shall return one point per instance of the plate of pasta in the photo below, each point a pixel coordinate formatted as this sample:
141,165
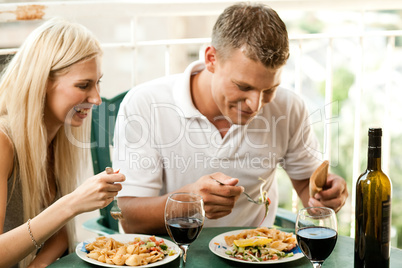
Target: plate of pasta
256,246
127,250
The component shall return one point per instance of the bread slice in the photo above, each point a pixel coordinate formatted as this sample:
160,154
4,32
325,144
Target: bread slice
319,178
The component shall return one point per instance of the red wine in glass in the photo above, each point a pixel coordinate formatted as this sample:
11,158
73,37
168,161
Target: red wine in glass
184,219
184,230
316,243
316,233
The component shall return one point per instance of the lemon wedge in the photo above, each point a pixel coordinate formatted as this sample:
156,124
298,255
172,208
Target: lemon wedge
252,242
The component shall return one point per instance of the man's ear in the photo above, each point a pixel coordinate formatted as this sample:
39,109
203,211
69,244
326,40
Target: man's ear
210,58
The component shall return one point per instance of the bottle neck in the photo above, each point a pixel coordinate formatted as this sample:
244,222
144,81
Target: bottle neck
374,158
374,151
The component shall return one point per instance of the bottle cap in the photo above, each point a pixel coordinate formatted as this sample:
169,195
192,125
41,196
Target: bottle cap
375,132
375,137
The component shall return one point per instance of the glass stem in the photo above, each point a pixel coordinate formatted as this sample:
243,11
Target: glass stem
183,255
317,264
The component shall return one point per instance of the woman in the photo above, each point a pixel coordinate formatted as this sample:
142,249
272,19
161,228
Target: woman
46,94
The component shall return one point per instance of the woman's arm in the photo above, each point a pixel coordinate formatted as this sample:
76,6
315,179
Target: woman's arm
96,192
53,249
15,244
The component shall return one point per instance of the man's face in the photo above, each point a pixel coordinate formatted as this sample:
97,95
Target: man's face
241,87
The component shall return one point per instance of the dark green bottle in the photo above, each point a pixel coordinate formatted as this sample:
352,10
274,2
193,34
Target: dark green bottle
373,209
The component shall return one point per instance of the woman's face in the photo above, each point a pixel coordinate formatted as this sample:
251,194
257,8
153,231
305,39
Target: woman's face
70,97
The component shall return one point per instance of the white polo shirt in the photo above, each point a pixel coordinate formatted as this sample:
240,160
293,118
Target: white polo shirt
162,142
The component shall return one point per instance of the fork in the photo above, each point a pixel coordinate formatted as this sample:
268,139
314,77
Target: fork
252,200
115,211
246,194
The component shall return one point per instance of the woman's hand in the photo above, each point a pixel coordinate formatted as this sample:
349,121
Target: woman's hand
96,192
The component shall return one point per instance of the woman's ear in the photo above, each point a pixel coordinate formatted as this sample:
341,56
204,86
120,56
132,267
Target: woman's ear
210,58
49,85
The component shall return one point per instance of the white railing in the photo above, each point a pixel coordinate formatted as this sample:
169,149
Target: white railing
132,11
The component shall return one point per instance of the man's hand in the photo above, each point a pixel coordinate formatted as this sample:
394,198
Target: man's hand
219,199
333,195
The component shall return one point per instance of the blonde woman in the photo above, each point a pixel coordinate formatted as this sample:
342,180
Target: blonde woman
46,94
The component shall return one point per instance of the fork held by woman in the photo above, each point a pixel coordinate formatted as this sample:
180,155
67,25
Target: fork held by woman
115,211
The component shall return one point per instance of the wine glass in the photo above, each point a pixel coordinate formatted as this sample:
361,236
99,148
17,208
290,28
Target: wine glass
316,233
184,219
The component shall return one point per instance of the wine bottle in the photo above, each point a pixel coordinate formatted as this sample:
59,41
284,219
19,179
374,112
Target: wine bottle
373,209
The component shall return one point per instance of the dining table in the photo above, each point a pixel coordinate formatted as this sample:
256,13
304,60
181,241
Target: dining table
200,255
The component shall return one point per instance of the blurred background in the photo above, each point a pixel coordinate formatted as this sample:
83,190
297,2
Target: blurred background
346,63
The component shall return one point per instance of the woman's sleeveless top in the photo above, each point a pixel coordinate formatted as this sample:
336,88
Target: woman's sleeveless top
14,209
14,213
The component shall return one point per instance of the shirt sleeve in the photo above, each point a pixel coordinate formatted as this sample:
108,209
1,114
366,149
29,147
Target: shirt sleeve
303,154
132,152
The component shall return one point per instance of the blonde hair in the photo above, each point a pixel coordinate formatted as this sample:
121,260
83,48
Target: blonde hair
49,51
255,27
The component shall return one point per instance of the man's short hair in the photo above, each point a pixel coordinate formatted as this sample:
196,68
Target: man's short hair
255,28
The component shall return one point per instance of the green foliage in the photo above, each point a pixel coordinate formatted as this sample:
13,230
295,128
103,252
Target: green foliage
310,24
395,174
398,41
342,80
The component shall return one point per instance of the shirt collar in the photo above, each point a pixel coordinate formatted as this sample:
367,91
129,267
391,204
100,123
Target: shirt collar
182,91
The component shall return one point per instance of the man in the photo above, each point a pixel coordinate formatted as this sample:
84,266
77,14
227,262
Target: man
223,119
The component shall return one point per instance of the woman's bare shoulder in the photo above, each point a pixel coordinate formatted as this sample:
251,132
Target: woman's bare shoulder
6,155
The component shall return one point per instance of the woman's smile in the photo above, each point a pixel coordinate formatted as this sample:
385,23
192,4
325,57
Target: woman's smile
82,110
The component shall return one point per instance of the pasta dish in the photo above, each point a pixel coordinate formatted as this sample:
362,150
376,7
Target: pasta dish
261,244
134,253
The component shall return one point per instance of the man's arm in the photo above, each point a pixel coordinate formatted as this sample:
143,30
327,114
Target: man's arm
302,190
146,214
143,214
333,195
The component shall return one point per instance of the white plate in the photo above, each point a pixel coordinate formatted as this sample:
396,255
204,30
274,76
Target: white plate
218,246
124,238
